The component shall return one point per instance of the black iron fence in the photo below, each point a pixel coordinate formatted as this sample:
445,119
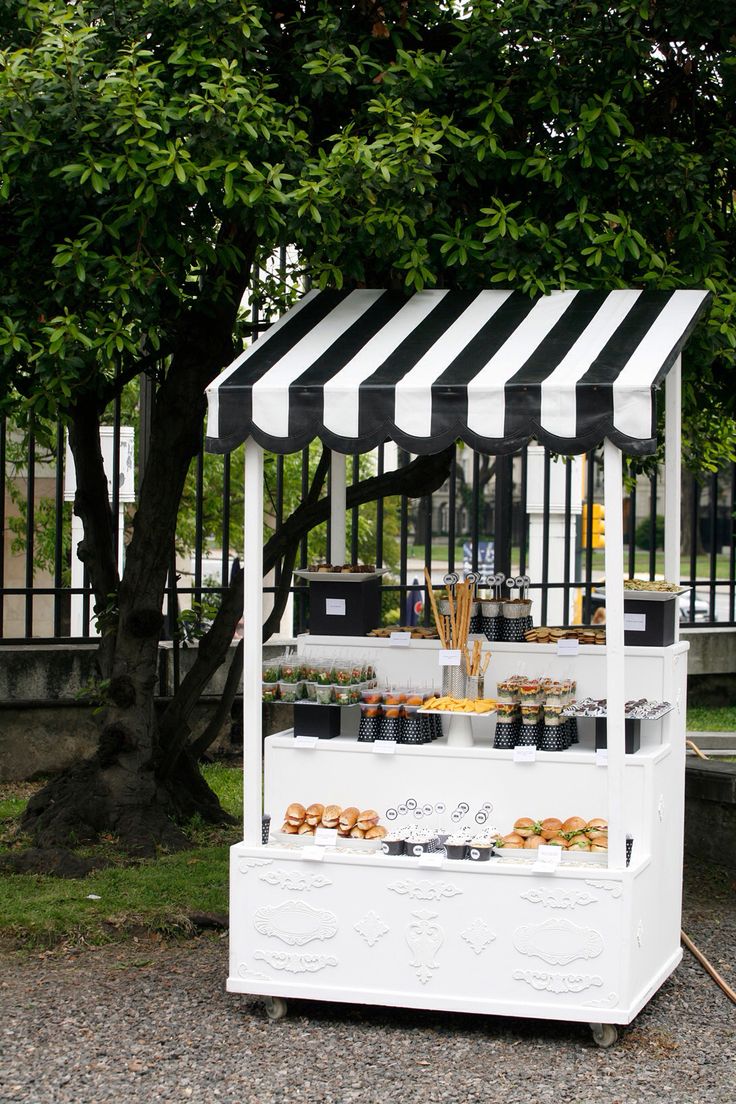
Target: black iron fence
529,514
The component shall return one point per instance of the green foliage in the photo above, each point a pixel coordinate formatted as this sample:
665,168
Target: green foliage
152,148
643,534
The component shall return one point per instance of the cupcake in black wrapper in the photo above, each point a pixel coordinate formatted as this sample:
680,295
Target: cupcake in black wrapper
392,845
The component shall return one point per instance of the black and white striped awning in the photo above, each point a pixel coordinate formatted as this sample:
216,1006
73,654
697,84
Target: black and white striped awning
492,368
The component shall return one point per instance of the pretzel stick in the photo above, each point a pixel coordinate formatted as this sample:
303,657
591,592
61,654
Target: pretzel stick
435,611
453,628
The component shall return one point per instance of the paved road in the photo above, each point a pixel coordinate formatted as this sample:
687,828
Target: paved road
148,1022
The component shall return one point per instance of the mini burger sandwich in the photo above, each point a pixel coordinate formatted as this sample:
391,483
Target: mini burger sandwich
526,827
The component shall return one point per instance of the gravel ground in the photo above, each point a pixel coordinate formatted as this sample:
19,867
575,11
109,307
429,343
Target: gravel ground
150,1022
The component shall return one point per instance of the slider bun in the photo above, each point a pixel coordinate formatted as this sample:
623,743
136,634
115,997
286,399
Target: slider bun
531,843
377,832
574,824
579,843
367,819
596,834
357,833
599,823
348,817
599,845
296,813
513,840
289,829
331,816
551,827
525,827
557,841
314,813
305,830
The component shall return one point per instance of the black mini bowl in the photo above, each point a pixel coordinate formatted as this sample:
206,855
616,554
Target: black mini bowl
392,847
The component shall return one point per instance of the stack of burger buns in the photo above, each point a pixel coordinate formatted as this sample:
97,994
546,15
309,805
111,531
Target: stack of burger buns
573,834
350,822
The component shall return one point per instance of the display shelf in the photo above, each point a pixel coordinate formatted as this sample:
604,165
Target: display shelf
440,749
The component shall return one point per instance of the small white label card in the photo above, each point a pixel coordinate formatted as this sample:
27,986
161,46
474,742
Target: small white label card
313,853
567,647
400,639
325,837
306,741
384,747
601,757
449,657
430,859
524,754
548,859
635,622
335,607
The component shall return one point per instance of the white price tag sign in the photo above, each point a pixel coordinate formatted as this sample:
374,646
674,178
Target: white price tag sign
431,860
325,837
313,853
400,639
449,657
568,647
635,622
306,741
548,860
385,747
601,757
524,754
335,607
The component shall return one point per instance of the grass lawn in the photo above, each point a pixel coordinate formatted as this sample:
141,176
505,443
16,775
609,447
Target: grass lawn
711,719
156,896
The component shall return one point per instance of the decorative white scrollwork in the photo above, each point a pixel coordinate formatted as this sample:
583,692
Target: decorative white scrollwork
558,941
245,972
425,937
557,983
294,962
245,864
289,879
609,1001
295,922
614,888
371,927
425,890
478,935
556,900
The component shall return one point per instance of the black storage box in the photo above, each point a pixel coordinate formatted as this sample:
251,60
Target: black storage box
344,609
317,720
632,734
650,623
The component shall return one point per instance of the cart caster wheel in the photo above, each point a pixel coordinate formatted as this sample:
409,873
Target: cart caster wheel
604,1035
275,1008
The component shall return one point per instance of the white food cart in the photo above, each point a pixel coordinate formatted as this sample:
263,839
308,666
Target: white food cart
572,941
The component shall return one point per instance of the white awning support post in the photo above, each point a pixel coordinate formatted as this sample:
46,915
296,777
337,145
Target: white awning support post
613,487
672,476
338,494
252,643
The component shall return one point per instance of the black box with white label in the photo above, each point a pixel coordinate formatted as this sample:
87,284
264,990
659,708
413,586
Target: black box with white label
650,623
632,735
344,609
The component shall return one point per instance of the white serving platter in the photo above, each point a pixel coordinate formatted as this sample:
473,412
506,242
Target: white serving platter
342,844
649,595
340,576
